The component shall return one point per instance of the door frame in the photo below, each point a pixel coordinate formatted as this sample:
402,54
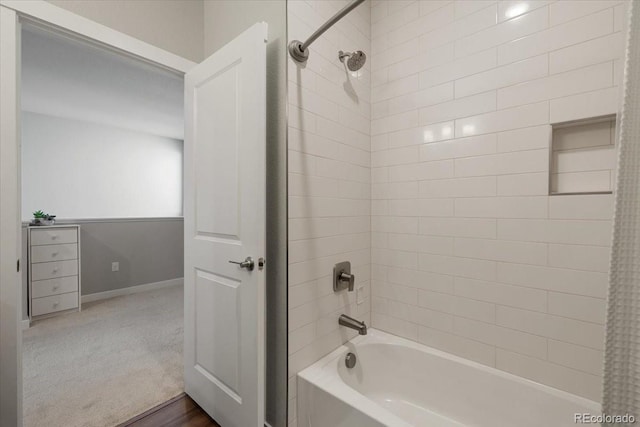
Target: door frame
62,21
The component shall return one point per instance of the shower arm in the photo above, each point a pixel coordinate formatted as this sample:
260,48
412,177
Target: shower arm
299,51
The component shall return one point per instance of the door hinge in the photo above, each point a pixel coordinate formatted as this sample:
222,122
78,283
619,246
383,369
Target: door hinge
18,266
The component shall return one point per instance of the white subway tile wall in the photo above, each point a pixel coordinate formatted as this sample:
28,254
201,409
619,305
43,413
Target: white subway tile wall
429,171
329,181
469,252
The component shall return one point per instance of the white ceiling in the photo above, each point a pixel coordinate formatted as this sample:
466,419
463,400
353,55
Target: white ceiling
67,78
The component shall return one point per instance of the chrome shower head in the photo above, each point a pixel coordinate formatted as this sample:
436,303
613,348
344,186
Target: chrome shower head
356,59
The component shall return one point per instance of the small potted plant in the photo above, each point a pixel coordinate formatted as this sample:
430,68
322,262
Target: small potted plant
41,218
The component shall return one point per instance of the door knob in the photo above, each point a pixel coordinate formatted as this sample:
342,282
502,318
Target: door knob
247,263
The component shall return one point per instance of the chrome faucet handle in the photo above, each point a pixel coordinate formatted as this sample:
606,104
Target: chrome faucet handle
342,277
348,278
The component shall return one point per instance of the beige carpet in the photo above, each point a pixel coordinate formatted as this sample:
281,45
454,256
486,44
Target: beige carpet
100,367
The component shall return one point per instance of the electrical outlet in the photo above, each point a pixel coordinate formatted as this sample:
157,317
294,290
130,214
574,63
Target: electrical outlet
115,266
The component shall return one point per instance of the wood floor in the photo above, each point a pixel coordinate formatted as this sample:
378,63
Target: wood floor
180,411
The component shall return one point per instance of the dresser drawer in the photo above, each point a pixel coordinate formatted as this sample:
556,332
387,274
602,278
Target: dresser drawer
48,253
51,270
40,306
53,236
61,285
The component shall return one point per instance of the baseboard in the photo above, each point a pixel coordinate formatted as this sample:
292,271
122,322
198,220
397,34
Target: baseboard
26,324
131,290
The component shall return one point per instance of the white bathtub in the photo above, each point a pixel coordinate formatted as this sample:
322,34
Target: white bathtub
399,383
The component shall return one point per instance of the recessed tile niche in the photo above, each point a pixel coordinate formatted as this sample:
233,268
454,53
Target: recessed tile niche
583,156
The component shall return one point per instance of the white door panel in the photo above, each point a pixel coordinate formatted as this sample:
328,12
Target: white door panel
218,206
225,146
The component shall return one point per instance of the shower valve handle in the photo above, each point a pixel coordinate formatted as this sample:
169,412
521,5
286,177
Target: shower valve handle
348,278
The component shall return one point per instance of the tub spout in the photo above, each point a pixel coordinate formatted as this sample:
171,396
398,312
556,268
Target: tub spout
352,323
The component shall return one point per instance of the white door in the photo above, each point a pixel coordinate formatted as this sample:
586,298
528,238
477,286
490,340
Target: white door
224,220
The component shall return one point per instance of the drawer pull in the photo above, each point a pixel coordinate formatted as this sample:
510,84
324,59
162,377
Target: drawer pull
55,304
55,288
54,254
54,236
55,270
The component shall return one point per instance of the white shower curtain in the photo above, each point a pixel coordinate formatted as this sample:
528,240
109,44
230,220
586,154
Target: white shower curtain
622,353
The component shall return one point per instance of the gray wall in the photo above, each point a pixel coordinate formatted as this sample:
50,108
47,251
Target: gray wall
148,250
173,25
224,20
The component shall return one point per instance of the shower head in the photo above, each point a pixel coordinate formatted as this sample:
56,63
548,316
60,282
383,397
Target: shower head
356,59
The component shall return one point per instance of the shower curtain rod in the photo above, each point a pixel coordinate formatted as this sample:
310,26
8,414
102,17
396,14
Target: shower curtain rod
299,51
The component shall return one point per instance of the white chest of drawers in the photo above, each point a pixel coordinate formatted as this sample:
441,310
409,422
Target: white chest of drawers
54,270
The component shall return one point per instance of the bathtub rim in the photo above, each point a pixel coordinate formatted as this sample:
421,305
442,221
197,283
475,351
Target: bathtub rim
324,375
